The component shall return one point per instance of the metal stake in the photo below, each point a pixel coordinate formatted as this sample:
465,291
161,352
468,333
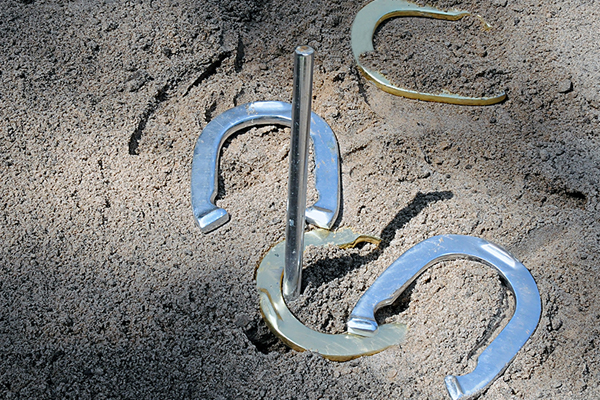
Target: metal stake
296,205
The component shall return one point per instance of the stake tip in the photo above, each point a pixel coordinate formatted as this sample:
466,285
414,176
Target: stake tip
304,50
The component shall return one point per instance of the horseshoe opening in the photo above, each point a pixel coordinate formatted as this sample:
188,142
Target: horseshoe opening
244,163
431,55
454,296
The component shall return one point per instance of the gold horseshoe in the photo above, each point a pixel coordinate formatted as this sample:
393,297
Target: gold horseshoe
296,335
373,14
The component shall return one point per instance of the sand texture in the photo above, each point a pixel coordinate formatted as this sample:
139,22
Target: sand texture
108,289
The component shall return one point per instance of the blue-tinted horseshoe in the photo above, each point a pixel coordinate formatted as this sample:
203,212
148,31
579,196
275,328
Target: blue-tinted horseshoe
398,276
205,163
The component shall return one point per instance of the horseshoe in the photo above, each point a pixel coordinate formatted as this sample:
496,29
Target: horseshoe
204,180
498,355
366,22
296,335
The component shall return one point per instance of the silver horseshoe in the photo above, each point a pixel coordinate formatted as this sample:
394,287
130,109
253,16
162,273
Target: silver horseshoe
498,355
204,180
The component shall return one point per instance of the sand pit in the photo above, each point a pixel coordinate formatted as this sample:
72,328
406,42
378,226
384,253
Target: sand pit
108,290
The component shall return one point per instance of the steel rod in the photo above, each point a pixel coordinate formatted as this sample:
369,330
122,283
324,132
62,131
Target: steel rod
298,171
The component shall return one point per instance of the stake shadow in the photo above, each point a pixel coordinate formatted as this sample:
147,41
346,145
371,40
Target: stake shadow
325,271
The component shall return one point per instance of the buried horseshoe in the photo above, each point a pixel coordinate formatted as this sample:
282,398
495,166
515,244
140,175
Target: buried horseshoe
296,335
204,180
398,276
363,28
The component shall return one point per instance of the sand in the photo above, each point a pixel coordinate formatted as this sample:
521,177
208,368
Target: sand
108,290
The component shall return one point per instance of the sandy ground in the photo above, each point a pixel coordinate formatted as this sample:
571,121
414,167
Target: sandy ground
108,290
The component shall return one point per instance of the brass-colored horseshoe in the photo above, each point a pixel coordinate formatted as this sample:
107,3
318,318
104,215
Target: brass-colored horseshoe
366,22
296,335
